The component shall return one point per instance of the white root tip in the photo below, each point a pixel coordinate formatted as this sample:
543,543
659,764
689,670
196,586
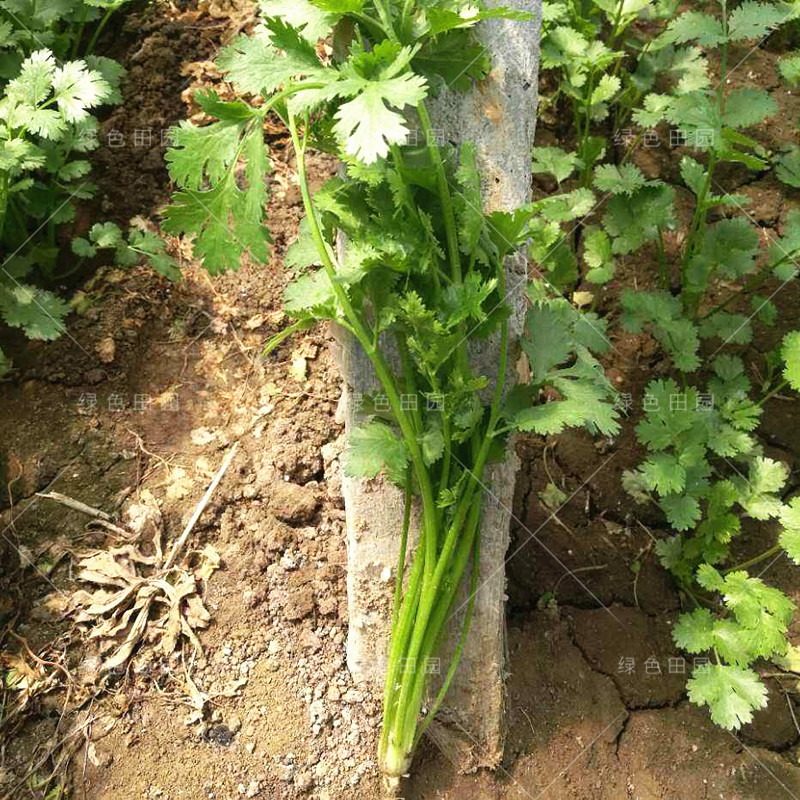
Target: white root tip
390,787
395,763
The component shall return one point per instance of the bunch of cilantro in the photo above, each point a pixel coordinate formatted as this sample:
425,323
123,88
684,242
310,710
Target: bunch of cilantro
422,279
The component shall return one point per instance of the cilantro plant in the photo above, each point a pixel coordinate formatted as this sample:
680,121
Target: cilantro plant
422,276
38,312
126,250
69,28
706,470
787,358
589,65
605,65
45,121
48,98
711,120
45,128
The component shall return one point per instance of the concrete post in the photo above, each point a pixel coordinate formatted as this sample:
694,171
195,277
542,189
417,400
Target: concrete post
499,117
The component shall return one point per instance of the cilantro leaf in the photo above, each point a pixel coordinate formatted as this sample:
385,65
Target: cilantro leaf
692,26
634,221
38,312
663,313
789,67
745,107
310,18
201,154
682,511
664,473
627,179
790,536
255,66
556,342
226,220
374,448
367,124
597,253
790,353
731,693
730,328
753,20
77,89
554,161
694,632
787,167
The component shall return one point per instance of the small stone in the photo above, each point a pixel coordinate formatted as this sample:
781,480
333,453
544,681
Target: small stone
252,789
334,694
300,603
353,696
293,503
310,641
235,724
327,606
94,376
250,747
272,665
285,772
319,713
304,782
106,350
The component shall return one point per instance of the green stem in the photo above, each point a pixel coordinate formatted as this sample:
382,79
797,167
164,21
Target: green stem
401,558
386,18
662,261
98,31
374,354
780,387
773,551
469,545
698,219
81,27
405,28
424,627
371,23
473,590
445,198
300,325
4,180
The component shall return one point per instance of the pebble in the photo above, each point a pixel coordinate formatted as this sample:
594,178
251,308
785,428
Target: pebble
353,696
319,713
304,781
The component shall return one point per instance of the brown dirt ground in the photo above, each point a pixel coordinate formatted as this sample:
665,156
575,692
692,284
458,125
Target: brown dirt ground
283,719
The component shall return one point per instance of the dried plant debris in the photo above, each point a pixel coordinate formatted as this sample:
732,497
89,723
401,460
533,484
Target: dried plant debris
122,611
144,597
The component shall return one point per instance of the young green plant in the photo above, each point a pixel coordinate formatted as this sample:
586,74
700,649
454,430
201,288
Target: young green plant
705,470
